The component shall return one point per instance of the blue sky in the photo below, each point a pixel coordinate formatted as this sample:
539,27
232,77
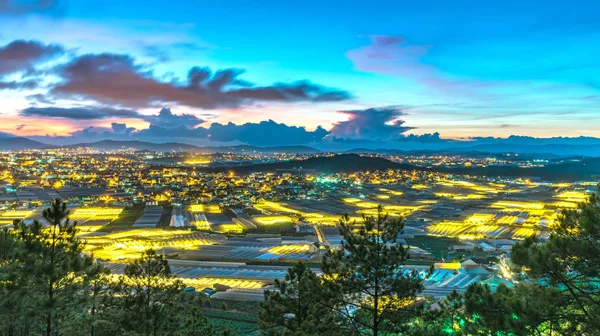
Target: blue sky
460,68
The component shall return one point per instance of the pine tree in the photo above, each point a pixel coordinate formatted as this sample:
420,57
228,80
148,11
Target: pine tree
57,263
568,265
365,277
296,307
152,299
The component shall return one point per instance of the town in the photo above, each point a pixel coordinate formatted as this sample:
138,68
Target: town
231,235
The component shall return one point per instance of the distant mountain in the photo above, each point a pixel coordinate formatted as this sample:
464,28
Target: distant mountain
136,145
252,149
570,170
545,149
20,143
539,151
326,164
181,147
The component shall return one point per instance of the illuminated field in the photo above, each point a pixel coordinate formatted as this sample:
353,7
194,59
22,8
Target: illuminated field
8,217
209,208
479,218
573,196
272,220
210,282
130,244
328,220
290,248
203,283
274,207
518,205
227,228
469,232
392,210
94,214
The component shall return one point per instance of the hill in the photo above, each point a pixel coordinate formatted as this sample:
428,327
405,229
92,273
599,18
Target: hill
182,147
136,145
20,143
326,164
572,170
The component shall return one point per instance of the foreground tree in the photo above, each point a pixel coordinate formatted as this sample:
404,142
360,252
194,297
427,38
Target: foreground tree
559,294
296,307
152,300
445,317
59,263
17,303
526,309
365,279
43,273
568,266
52,260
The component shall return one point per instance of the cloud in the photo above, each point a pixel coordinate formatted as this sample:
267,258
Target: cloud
171,51
16,7
117,79
378,123
18,85
394,56
265,133
390,55
23,55
167,119
79,113
167,126
118,128
20,127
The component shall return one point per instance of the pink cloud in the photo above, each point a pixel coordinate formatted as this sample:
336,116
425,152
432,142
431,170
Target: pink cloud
394,56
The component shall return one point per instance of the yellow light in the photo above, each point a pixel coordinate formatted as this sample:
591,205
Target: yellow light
290,248
479,218
518,204
19,214
212,208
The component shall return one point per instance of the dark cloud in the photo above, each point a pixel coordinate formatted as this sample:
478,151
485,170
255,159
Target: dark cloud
167,127
20,127
117,79
118,128
380,123
167,52
166,118
16,7
79,113
23,55
18,85
265,133
427,137
39,98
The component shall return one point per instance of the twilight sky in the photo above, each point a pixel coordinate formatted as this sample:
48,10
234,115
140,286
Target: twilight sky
306,71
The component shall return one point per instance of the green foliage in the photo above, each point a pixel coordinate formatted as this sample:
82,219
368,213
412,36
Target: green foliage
367,275
49,287
296,307
43,274
560,291
363,290
225,327
568,267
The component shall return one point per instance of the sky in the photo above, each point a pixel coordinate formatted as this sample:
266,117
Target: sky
269,72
